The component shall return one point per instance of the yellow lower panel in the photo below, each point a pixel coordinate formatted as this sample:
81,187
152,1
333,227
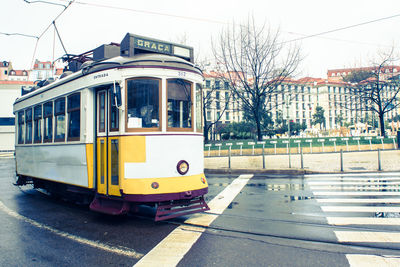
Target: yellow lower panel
89,162
166,185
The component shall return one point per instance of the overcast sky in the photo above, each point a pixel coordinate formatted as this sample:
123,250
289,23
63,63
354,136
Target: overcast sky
84,27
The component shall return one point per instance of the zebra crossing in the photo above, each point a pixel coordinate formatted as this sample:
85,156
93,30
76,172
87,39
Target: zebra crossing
369,204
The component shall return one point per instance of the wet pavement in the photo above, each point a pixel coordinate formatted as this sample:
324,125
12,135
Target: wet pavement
275,220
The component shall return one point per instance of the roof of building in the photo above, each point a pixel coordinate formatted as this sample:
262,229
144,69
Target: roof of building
18,73
17,82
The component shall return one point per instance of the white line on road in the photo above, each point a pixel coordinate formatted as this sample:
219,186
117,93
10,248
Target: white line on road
362,236
356,193
96,244
354,183
360,260
359,200
171,250
362,221
359,209
371,174
367,178
352,187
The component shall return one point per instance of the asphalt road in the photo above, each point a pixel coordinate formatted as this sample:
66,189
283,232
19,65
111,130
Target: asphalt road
281,220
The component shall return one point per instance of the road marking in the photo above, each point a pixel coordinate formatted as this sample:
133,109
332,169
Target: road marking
353,183
362,221
96,244
340,176
344,179
360,236
359,187
359,209
171,250
356,193
358,200
360,260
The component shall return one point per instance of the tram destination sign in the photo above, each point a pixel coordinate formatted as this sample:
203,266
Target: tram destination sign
154,46
134,44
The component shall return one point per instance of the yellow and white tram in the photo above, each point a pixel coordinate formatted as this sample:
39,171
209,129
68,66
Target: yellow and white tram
121,130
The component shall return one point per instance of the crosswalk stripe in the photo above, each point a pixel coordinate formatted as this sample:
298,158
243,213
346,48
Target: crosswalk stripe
317,176
362,236
367,178
351,187
359,200
359,209
360,260
353,183
370,186
355,193
362,221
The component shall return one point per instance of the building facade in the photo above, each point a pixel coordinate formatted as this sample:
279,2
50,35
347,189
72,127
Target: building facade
297,101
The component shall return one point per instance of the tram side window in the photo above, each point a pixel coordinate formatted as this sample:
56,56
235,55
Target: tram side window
21,127
114,116
74,117
143,105
48,122
179,104
37,117
28,127
199,108
59,116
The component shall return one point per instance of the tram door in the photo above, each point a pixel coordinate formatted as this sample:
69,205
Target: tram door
108,179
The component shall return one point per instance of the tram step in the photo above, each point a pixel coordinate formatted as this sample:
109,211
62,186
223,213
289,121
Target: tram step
109,206
173,210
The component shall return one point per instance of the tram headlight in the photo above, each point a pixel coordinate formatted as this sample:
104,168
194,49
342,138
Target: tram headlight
182,167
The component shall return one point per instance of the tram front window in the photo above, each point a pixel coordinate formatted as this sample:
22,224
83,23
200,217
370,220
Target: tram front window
179,104
143,103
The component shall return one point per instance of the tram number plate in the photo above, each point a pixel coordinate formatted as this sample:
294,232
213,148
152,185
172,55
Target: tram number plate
181,74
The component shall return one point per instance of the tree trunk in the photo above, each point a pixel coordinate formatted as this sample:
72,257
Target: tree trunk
382,124
205,128
259,135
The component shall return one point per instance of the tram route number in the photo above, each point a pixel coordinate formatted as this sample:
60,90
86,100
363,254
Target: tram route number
181,74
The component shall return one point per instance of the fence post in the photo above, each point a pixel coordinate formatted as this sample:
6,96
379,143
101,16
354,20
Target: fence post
379,160
341,160
229,157
334,142
263,155
241,145
301,159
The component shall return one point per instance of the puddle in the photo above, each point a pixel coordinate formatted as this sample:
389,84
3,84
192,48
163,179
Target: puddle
296,198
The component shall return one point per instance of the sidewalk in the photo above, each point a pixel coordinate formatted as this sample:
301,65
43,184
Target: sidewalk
313,163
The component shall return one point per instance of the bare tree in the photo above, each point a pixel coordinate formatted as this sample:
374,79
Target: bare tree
255,62
378,93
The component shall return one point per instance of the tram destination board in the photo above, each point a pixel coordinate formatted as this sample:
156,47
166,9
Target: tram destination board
134,44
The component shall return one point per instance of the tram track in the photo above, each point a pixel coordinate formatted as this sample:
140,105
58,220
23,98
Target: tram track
270,238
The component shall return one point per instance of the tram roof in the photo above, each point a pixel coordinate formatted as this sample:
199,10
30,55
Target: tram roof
138,61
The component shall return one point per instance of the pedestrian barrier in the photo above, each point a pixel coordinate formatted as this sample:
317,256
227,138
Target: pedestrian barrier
297,145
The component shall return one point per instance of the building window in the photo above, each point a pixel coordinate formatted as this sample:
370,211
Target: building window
227,116
21,127
48,122
28,123
217,94
226,85
179,105
74,117
217,85
37,117
59,116
143,104
208,83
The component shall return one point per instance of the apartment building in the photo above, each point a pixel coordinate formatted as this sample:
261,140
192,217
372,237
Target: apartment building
297,100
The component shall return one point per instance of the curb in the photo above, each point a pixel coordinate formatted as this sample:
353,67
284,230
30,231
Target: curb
284,171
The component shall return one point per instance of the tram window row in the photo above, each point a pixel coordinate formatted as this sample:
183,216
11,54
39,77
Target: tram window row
52,121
